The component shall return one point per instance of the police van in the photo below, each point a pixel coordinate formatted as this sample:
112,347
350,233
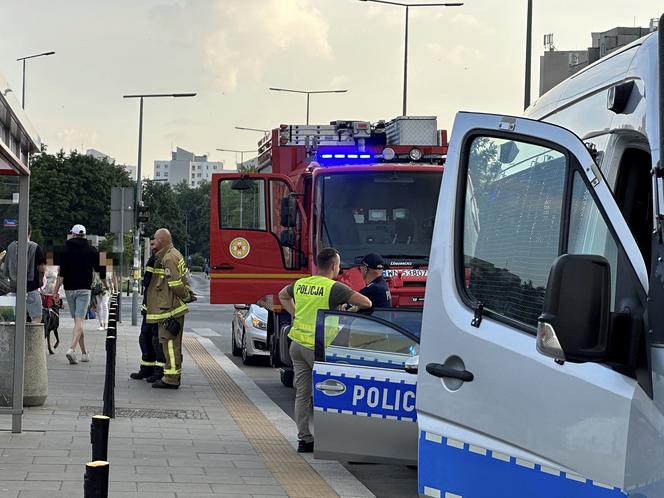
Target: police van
541,367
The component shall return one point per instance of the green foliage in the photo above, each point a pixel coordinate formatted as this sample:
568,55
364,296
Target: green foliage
72,188
197,260
69,189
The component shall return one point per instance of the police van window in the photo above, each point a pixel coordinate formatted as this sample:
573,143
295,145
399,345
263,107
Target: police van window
588,232
242,204
512,218
358,340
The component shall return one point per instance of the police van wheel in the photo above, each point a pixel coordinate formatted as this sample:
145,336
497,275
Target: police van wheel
286,377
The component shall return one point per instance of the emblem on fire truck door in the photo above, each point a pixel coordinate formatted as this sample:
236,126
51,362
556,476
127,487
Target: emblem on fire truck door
239,248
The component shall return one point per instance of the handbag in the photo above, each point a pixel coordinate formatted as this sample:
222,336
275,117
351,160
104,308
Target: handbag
97,289
5,286
92,314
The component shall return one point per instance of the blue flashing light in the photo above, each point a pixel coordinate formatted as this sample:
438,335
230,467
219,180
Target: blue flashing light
345,155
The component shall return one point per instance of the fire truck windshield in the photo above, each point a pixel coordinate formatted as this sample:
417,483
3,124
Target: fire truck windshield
387,212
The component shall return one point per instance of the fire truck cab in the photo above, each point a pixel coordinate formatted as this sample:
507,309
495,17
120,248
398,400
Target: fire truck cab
353,185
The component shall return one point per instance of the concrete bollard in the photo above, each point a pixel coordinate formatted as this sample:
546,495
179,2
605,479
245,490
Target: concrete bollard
35,384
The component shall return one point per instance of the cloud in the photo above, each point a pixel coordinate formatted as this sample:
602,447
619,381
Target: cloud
459,55
72,138
238,38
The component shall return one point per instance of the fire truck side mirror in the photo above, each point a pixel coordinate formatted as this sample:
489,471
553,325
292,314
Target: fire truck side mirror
288,238
242,183
288,218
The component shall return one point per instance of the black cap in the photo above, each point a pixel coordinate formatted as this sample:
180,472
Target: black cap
373,261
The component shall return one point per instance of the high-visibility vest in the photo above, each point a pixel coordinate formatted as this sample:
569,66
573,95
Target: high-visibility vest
310,294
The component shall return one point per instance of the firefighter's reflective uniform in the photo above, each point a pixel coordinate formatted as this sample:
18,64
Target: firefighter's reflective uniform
167,297
152,354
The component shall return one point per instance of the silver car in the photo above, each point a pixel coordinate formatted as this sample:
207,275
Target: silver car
249,332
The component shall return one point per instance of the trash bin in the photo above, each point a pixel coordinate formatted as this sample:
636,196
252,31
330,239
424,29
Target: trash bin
35,383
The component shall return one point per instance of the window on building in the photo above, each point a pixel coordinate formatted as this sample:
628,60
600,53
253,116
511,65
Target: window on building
157,174
199,175
165,174
158,166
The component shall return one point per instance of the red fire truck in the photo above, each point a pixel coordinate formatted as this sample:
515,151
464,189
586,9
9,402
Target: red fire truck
353,185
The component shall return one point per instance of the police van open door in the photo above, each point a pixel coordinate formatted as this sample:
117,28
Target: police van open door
256,232
364,397
496,417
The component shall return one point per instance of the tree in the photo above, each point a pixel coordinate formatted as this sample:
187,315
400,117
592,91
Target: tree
195,208
69,189
164,211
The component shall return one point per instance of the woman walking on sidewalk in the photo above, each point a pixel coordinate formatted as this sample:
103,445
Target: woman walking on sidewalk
100,299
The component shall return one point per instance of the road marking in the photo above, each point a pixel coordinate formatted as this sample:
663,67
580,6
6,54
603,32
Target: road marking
292,471
206,332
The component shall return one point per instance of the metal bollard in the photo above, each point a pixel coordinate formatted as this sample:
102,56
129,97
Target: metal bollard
109,381
99,437
111,331
95,480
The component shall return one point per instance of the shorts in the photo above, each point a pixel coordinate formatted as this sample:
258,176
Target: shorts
78,301
33,304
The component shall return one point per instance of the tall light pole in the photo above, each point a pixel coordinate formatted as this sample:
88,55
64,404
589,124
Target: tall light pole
529,36
258,130
24,59
405,50
138,197
308,93
241,152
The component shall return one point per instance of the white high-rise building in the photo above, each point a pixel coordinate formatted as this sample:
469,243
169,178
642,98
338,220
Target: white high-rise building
186,166
101,156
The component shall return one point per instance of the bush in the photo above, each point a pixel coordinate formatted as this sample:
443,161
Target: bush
196,260
7,314
194,268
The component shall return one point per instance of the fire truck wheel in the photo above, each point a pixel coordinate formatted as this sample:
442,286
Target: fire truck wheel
286,377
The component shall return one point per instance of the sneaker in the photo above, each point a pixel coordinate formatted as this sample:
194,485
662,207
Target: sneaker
71,356
84,357
101,328
305,447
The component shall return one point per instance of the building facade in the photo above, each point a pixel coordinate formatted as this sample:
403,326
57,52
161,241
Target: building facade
558,65
186,166
131,169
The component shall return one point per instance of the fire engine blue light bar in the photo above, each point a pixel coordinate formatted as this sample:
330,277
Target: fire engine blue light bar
347,156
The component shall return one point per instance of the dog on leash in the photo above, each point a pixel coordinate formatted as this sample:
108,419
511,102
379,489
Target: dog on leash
51,318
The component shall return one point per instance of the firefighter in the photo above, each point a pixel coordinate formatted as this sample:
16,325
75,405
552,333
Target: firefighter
302,300
152,355
168,295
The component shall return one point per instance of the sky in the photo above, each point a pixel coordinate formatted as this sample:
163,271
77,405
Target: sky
231,51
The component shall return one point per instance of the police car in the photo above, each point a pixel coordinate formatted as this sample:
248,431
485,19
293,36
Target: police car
364,381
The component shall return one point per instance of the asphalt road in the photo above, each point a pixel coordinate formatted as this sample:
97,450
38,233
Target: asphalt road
385,481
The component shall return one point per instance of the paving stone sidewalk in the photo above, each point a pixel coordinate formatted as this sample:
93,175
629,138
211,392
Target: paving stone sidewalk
199,452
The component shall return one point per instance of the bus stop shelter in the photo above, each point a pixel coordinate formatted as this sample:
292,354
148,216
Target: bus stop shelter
18,139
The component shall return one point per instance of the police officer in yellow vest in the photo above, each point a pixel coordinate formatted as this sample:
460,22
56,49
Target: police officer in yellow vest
302,300
168,295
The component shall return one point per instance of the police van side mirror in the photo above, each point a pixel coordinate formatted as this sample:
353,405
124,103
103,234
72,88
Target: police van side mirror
288,214
575,323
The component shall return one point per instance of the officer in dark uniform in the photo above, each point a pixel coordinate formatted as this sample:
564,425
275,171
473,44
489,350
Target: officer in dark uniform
376,289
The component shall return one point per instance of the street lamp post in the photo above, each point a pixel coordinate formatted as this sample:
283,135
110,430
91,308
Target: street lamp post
529,35
24,59
405,50
308,93
138,197
241,152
